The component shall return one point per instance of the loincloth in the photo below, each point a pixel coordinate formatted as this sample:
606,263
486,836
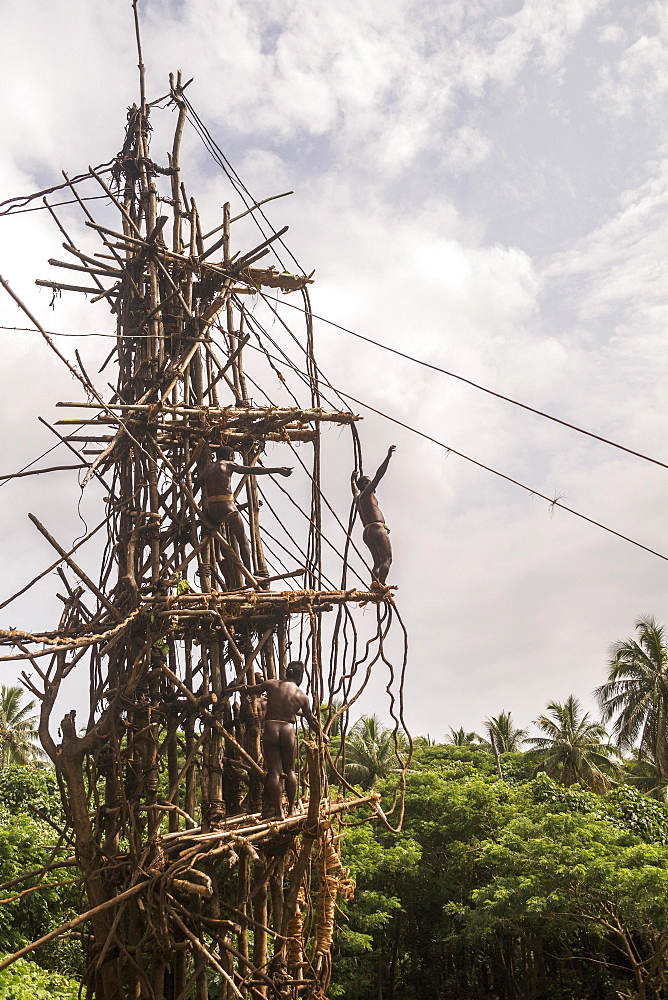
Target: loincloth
382,524
213,518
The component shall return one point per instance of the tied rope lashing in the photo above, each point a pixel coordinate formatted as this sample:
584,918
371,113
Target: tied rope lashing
295,932
335,880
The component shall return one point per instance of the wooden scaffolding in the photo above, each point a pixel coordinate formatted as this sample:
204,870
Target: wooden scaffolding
191,891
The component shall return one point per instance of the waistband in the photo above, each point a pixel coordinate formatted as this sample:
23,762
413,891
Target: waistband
221,496
376,522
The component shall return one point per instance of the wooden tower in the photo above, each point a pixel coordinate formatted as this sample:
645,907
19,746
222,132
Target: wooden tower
191,891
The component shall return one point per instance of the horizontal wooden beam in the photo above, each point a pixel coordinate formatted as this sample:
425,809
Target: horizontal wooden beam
59,287
255,434
227,412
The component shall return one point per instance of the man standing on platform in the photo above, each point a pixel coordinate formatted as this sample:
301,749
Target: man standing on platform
279,744
376,534
219,503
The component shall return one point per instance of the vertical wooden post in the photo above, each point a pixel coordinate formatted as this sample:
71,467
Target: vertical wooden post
260,955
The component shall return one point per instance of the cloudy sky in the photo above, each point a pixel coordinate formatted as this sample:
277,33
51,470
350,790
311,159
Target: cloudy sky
481,184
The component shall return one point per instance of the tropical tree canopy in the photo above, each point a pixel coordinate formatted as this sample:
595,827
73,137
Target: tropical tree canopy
330,716
503,733
640,770
574,747
371,751
511,890
461,738
25,980
424,741
636,693
18,734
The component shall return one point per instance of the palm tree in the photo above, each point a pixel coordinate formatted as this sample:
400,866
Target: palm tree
503,735
574,748
420,742
641,771
637,693
330,710
18,736
371,751
461,738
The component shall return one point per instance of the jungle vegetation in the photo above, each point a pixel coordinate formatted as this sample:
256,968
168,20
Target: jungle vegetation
532,863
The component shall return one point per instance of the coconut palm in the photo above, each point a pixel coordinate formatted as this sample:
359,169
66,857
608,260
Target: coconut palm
461,738
18,736
641,771
574,748
329,710
371,751
503,734
636,693
420,742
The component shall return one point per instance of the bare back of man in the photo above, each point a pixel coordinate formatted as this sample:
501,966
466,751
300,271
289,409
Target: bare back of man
279,745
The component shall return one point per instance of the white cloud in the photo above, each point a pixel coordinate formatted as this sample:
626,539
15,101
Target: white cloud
612,34
639,77
620,265
352,105
466,148
506,44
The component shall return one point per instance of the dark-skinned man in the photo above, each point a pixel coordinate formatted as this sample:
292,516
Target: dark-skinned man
376,534
285,701
219,504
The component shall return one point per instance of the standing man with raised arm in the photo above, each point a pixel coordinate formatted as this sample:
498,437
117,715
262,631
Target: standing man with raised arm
376,534
279,745
219,503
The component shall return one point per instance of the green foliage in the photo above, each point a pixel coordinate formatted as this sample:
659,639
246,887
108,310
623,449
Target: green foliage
372,910
455,761
22,919
557,798
372,751
460,760
365,855
489,876
636,693
25,980
504,734
462,738
574,748
624,807
18,735
559,873
28,789
26,795
641,771
517,767
644,816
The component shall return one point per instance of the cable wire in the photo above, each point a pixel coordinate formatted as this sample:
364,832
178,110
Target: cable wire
482,388
244,193
553,502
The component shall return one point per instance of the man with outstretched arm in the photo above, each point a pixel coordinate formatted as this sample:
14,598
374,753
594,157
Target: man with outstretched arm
376,534
279,744
219,504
